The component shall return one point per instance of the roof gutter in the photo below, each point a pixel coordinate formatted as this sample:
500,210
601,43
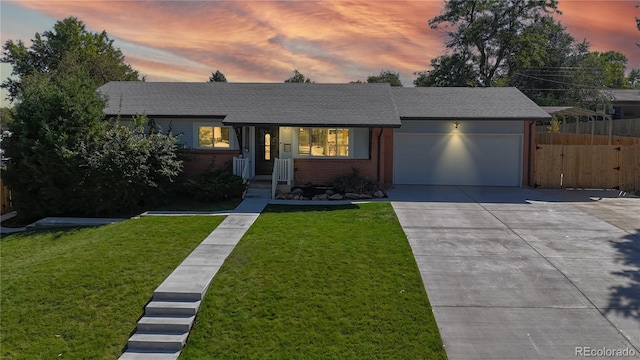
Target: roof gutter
450,118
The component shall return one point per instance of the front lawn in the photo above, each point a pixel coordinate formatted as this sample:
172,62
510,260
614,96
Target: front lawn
77,293
318,283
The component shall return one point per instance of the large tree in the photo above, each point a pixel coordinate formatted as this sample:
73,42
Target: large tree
448,70
485,34
386,76
69,47
62,158
217,77
54,117
298,77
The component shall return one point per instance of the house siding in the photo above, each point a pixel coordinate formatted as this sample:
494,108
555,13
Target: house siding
528,156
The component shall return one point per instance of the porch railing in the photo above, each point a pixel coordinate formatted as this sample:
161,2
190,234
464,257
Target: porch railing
241,168
282,171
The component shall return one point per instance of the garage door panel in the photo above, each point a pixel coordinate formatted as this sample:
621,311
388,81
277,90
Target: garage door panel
457,159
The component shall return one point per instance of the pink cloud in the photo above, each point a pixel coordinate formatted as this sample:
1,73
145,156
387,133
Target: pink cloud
607,25
329,41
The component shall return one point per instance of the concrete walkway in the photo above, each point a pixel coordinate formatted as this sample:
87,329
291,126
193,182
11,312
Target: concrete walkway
516,273
163,330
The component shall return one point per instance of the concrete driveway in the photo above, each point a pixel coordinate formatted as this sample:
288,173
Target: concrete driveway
517,273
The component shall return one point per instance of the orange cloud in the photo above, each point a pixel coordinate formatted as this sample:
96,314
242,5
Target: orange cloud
328,41
264,41
607,25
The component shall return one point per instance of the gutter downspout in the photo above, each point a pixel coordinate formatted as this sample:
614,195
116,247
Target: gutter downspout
378,156
532,148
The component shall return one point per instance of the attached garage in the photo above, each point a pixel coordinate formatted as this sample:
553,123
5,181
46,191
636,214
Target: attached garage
422,155
463,136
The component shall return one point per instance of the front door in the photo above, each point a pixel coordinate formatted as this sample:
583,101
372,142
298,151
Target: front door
266,149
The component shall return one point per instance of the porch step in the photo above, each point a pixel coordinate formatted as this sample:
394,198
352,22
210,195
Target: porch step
157,342
258,193
260,184
262,178
165,324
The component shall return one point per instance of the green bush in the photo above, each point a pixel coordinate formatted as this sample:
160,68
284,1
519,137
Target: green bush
54,117
129,169
64,159
215,185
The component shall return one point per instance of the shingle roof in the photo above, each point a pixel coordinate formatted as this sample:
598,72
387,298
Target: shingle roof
444,103
376,105
252,104
571,111
625,95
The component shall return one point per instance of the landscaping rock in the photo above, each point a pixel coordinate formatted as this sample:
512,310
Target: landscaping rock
365,196
335,197
296,197
352,196
281,197
289,196
297,191
378,194
320,197
330,192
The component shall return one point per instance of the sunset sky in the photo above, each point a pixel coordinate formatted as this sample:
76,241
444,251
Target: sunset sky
263,41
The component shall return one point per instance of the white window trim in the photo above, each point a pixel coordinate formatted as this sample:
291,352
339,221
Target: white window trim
233,142
296,142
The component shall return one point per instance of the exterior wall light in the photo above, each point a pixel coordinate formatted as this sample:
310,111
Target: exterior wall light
456,124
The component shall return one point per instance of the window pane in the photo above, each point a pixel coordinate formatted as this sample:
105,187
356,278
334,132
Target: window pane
205,136
343,142
323,142
267,147
303,142
319,142
221,137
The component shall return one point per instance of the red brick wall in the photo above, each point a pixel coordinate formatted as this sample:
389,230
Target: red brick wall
386,170
529,146
201,159
324,170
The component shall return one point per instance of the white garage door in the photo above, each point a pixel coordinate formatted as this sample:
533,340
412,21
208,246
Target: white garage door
457,159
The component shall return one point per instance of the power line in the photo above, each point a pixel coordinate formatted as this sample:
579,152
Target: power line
553,81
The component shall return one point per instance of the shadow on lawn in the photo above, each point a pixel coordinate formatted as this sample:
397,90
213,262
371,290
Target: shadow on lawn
308,208
625,299
54,233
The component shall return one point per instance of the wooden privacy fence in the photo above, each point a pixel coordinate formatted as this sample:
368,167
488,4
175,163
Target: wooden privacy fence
588,166
584,139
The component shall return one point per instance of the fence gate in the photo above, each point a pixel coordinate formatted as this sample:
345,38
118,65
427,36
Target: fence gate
588,166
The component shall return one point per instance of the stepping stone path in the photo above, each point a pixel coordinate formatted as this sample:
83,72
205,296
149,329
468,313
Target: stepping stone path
163,330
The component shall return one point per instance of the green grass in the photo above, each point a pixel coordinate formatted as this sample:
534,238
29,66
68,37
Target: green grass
318,283
77,294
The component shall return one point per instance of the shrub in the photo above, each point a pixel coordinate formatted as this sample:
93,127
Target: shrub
43,166
215,184
354,183
129,169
